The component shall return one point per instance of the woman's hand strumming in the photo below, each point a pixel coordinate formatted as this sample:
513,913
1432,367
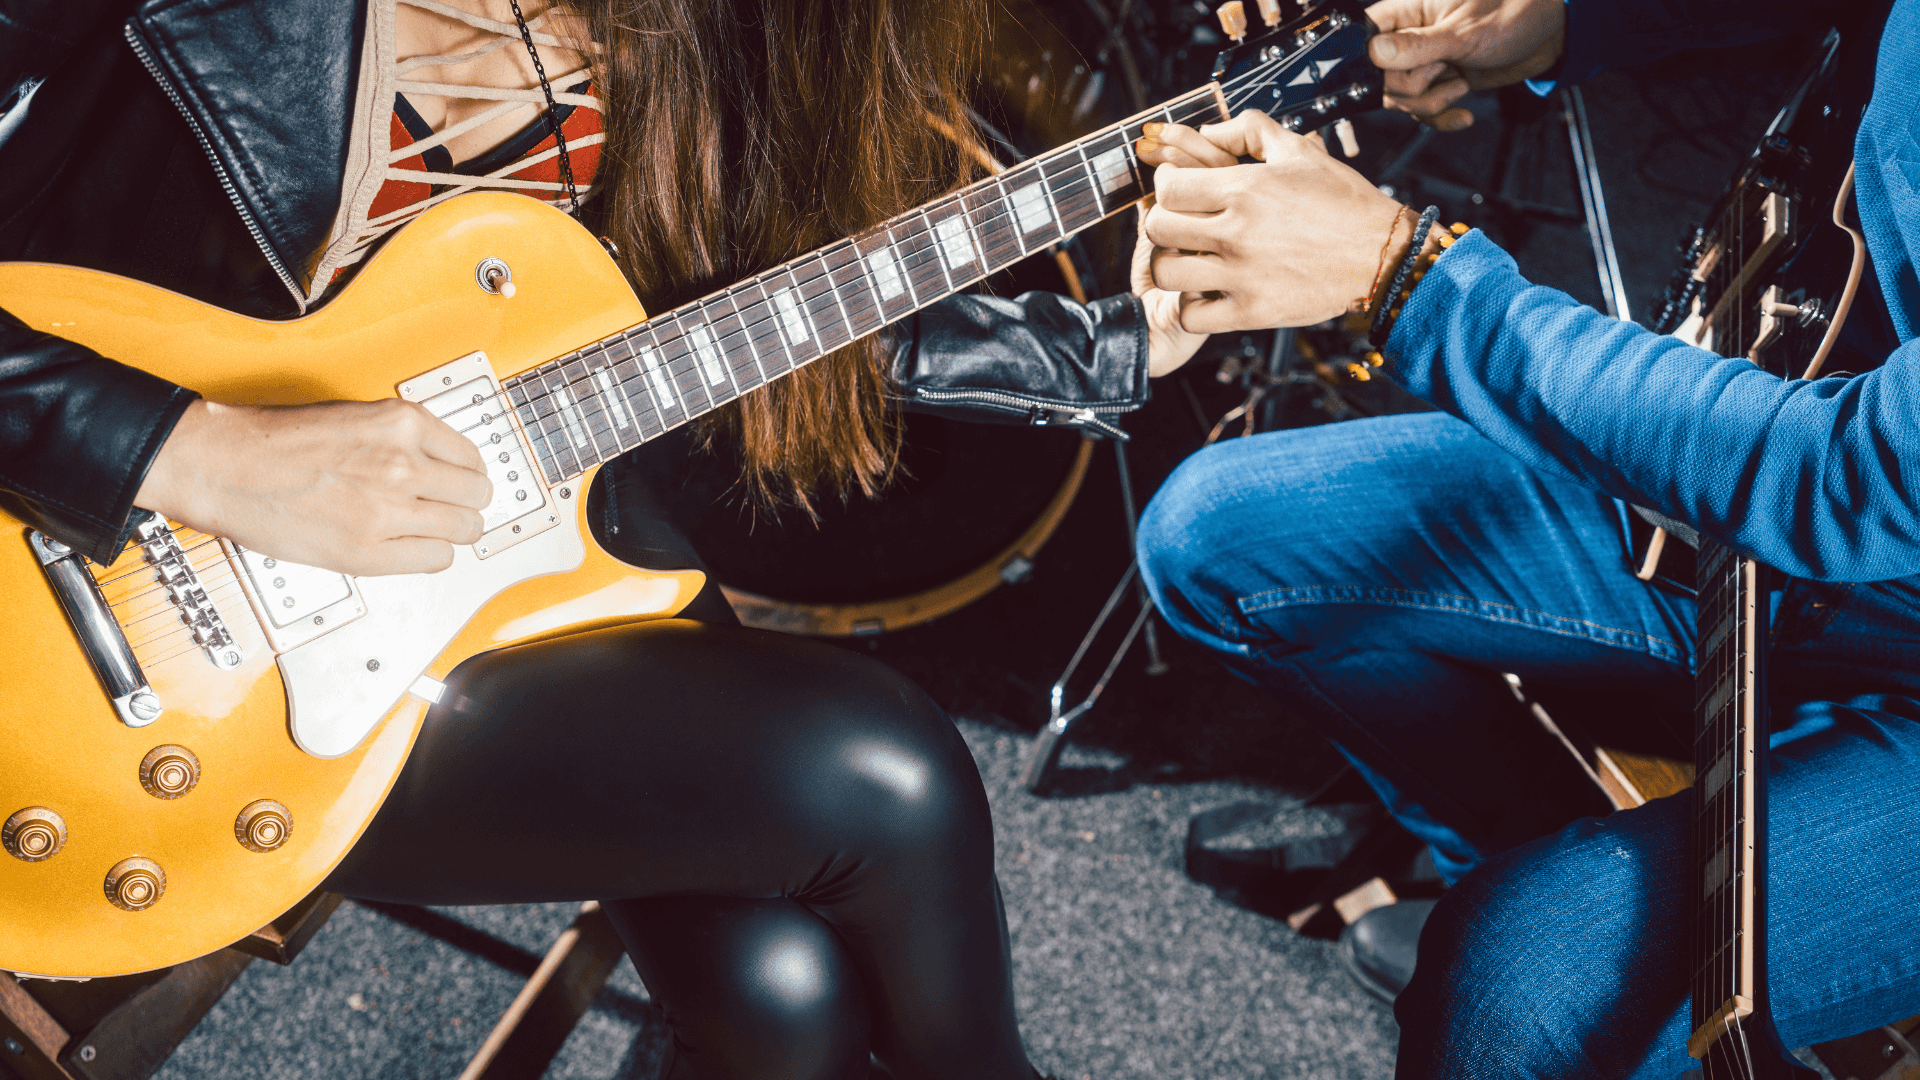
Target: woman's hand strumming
358,487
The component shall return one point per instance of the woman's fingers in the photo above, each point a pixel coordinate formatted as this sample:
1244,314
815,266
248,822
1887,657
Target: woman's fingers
453,485
438,440
441,521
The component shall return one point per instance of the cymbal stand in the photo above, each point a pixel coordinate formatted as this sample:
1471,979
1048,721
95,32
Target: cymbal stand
1521,110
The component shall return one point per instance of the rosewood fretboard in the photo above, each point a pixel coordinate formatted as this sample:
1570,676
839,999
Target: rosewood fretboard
591,405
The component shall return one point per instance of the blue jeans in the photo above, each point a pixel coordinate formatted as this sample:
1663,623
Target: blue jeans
1378,577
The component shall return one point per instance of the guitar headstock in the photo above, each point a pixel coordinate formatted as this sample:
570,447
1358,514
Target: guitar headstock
1306,72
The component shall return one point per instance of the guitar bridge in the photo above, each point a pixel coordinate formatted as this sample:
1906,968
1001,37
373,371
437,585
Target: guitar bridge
182,582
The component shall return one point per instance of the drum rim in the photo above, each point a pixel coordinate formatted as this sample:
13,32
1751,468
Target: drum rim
900,612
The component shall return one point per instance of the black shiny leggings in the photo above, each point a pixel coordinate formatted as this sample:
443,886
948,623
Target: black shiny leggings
791,838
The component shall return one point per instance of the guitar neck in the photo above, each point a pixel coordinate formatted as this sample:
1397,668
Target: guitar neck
1729,821
612,395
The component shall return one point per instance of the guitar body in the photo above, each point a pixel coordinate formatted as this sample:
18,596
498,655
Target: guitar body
415,307
194,737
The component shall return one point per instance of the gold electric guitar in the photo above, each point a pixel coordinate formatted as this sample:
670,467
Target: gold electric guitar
195,735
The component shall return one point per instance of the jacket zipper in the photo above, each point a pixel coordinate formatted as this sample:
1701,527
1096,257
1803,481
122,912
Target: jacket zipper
226,181
1087,416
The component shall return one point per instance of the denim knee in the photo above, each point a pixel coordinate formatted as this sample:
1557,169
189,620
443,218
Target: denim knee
1537,964
1176,537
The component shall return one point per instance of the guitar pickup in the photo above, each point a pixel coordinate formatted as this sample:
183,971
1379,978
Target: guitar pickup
466,394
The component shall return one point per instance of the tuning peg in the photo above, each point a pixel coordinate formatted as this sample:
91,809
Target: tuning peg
1343,130
1233,19
1270,11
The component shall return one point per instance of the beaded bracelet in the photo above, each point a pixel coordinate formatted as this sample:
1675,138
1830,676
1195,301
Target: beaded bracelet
1382,323
1391,305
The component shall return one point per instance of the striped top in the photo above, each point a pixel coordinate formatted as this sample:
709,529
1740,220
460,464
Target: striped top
398,166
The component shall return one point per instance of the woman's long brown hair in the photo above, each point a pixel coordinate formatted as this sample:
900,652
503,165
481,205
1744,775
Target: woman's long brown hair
741,134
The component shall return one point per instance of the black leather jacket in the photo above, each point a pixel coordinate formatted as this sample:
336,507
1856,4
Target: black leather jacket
200,145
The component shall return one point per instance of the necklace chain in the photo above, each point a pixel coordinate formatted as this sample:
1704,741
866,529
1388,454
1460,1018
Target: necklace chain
553,110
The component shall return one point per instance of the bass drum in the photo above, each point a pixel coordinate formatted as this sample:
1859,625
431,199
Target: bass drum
974,506
976,502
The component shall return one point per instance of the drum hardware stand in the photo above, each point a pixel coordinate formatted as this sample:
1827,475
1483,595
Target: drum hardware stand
1257,377
1046,751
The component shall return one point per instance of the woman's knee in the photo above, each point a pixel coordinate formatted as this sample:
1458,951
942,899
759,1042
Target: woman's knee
751,988
873,760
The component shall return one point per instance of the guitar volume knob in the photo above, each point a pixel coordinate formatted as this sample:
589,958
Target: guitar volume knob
263,825
169,771
135,884
34,834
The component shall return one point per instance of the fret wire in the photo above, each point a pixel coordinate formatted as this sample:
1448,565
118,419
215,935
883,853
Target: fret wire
558,420
667,360
762,360
1001,210
773,326
827,272
549,463
927,221
1019,231
893,245
596,406
863,279
709,328
747,337
583,415
804,312
649,393
612,380
547,425
591,410
1053,205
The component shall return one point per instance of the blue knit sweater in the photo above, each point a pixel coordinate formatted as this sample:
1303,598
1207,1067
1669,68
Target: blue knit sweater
1818,478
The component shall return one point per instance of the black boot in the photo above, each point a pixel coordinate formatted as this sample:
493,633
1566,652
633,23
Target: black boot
1379,947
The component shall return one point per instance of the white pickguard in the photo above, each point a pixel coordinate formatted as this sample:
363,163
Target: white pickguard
340,686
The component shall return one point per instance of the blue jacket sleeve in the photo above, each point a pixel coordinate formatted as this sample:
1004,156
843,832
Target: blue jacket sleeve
1607,34
1818,478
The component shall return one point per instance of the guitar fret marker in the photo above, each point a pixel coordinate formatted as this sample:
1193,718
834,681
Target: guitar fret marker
956,247
618,407
1718,776
570,412
886,273
708,351
1031,209
662,386
1718,869
791,322
1112,171
1722,693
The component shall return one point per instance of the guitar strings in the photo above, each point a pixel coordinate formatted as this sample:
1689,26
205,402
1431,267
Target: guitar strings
688,363
1191,106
